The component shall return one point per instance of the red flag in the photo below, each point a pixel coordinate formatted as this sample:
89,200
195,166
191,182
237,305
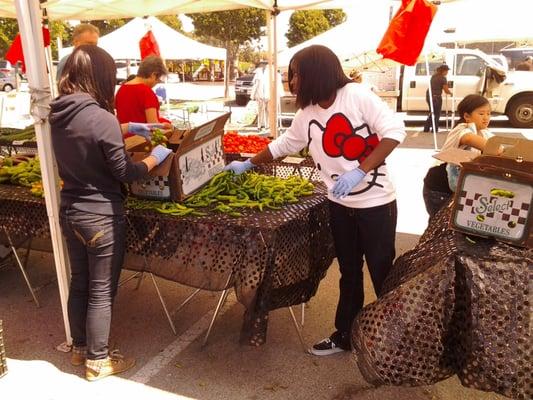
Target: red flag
148,45
407,31
15,54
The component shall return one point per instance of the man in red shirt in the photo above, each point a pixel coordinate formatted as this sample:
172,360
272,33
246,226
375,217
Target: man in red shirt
135,101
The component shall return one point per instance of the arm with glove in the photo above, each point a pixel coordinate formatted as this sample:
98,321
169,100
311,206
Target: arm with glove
292,141
143,129
349,180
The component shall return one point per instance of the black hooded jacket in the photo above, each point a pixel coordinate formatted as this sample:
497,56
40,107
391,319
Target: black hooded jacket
90,155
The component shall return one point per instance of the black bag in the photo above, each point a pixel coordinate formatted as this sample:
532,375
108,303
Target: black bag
436,179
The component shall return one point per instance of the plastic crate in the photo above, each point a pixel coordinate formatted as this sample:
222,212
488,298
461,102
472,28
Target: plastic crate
3,362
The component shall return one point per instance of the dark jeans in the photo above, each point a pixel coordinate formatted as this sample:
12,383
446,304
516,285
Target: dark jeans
95,245
437,107
358,232
434,200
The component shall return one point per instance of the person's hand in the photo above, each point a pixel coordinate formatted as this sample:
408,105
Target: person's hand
238,167
346,182
160,153
142,129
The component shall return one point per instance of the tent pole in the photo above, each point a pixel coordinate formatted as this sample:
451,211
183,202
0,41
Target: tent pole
29,18
432,111
272,70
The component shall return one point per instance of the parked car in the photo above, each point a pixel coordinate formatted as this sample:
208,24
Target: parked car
7,81
6,67
122,69
243,89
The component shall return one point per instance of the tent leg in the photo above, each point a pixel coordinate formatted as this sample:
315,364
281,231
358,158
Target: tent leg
29,18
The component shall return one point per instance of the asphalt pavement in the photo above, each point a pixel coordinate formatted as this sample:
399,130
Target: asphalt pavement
177,366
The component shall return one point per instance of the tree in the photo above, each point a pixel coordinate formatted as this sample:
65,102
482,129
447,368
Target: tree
173,21
8,30
108,25
306,24
229,29
335,16
59,29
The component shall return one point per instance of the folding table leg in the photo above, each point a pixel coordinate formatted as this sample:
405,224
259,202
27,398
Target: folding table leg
163,304
129,278
303,314
140,279
27,255
298,329
21,267
295,322
186,301
221,301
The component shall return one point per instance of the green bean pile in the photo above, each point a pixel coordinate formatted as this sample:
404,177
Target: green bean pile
227,193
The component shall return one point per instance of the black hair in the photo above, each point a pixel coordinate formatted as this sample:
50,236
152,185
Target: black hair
320,75
152,65
90,69
442,68
469,104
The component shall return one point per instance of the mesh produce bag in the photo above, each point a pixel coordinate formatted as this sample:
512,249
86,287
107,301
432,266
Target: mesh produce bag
452,305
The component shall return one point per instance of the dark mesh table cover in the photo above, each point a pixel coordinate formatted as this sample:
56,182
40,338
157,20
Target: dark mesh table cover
451,306
276,258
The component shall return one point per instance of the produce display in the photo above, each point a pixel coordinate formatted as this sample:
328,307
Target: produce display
235,143
20,170
12,134
159,137
227,193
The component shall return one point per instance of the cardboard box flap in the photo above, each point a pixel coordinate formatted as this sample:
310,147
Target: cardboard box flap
502,146
456,156
135,143
190,137
162,169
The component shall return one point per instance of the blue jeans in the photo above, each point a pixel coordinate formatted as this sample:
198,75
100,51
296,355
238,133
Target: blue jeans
437,108
357,233
95,245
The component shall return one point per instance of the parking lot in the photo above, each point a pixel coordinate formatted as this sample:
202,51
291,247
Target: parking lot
177,366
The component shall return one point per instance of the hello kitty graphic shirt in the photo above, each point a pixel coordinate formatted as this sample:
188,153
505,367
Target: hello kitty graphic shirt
341,137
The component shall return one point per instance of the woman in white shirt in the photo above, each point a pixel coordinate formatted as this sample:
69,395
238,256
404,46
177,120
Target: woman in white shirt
350,132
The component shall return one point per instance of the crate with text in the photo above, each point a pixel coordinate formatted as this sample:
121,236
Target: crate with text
494,195
198,155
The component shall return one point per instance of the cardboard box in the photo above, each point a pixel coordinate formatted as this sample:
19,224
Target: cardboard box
494,196
198,156
456,156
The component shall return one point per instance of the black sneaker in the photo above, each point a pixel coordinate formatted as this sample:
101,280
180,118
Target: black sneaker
331,345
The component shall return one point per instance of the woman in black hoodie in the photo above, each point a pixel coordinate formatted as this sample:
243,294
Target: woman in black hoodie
93,164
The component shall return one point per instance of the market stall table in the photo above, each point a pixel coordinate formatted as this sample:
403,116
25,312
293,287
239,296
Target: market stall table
272,259
453,305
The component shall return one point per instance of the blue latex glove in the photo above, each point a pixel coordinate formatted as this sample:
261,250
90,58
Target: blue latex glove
141,129
238,167
160,153
346,182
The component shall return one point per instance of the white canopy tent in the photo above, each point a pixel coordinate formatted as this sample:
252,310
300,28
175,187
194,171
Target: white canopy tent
29,16
358,34
123,43
481,21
